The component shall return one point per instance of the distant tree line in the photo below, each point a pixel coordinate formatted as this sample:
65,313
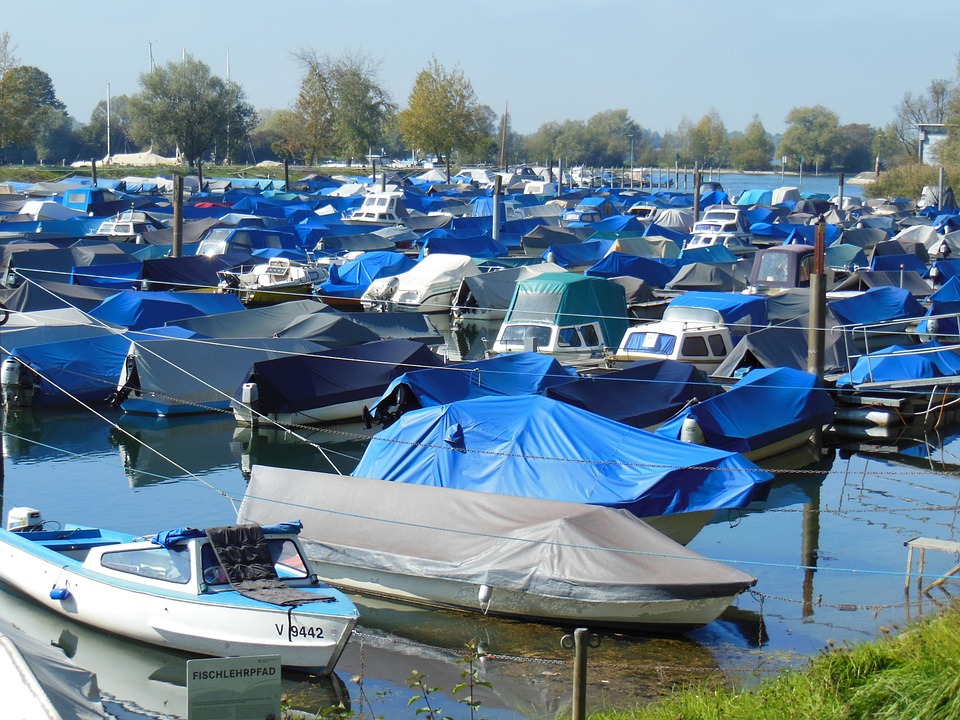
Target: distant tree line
343,112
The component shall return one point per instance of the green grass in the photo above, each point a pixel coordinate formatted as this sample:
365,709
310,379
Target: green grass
912,675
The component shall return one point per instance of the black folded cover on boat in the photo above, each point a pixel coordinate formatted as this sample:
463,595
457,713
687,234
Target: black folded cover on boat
243,552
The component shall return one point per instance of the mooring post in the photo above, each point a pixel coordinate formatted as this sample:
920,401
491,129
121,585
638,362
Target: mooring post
495,230
286,174
818,303
697,179
93,171
177,248
579,642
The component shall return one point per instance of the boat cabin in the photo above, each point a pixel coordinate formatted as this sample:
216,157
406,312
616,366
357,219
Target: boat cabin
701,344
563,314
380,208
779,269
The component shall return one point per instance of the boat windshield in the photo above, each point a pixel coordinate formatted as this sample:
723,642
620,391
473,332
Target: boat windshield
171,564
288,562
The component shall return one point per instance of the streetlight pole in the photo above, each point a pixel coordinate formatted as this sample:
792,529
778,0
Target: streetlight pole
108,122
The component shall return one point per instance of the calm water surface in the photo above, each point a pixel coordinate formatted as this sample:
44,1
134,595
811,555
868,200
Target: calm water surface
827,547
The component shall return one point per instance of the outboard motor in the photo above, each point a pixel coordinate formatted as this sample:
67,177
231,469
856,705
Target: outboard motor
16,385
24,519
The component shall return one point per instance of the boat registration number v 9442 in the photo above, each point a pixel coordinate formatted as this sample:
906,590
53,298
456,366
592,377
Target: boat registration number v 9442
299,632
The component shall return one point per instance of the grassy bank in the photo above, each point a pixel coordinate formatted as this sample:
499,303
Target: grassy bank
912,675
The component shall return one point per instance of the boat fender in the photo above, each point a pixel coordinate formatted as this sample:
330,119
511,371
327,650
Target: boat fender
59,593
486,592
690,431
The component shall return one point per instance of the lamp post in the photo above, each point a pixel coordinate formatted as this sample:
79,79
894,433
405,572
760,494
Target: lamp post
108,122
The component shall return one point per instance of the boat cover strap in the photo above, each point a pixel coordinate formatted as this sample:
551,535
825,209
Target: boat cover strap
243,552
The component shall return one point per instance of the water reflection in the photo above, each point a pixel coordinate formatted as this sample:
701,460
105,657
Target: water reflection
148,681
158,450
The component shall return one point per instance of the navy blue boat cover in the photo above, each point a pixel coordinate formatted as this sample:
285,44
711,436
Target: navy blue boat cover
303,382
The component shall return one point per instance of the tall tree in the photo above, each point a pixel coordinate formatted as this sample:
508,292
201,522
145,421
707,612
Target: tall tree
182,104
707,141
814,134
93,135
362,106
754,149
608,136
928,108
22,90
313,136
441,115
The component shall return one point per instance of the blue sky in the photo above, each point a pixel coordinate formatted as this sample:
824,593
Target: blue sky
549,60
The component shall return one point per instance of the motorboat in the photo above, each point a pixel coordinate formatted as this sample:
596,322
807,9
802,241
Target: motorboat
730,421
277,280
427,287
527,558
567,315
386,208
697,327
129,226
236,590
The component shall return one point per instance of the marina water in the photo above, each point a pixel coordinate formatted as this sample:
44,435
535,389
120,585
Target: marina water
827,548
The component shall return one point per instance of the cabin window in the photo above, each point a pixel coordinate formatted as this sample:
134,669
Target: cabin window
806,268
159,563
590,337
568,337
650,342
516,335
382,202
75,198
695,346
717,346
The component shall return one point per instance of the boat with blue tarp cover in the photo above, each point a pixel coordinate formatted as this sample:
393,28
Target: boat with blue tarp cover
532,446
731,421
234,590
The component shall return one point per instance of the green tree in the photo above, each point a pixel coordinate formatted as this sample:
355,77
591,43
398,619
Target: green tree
707,141
313,136
814,134
362,106
754,149
888,147
441,113
93,135
54,138
183,105
23,91
607,138
858,147
928,108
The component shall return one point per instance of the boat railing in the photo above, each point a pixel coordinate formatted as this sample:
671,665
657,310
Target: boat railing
885,334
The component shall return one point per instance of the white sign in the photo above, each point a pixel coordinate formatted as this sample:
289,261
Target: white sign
233,688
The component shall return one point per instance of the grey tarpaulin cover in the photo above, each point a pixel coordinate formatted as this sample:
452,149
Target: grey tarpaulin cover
545,547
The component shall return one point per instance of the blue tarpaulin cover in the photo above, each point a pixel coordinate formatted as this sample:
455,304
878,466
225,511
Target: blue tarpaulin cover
532,446
577,255
656,272
351,279
521,373
876,305
767,405
137,310
916,362
642,394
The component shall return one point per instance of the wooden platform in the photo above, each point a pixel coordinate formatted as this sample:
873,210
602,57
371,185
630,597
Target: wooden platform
929,544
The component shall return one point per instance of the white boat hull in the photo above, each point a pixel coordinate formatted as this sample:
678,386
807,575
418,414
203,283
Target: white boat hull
150,612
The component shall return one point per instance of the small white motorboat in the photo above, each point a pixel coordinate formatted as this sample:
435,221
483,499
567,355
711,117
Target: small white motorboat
230,591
